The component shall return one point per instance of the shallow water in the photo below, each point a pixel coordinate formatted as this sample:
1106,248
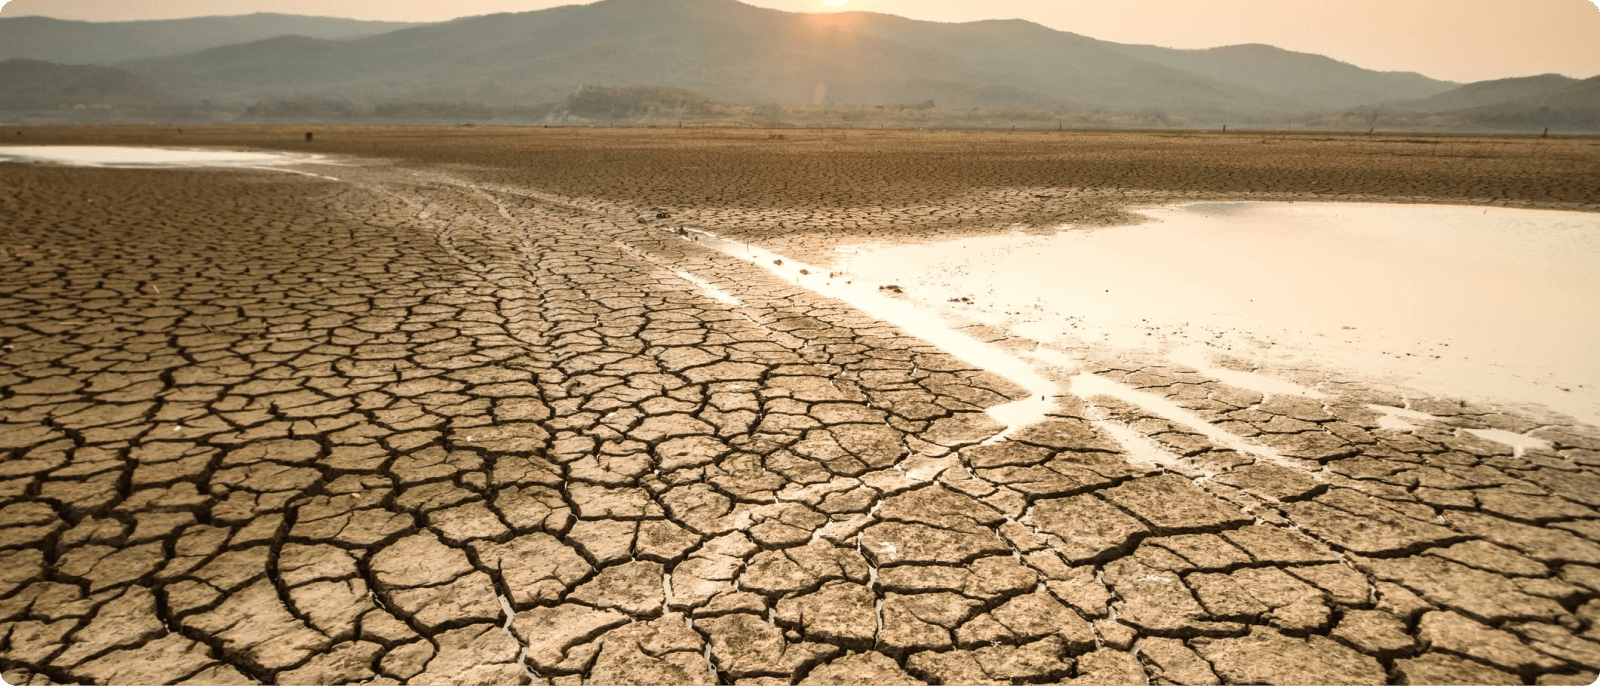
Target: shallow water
914,319
1487,303
127,156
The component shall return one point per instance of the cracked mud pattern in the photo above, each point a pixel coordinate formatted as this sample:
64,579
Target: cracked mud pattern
257,427
812,190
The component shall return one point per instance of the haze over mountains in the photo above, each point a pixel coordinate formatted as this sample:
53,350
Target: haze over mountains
38,86
721,56
82,42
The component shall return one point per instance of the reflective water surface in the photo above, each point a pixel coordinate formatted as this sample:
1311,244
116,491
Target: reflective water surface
1489,303
127,156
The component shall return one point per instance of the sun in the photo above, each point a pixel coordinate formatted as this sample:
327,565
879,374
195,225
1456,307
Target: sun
836,3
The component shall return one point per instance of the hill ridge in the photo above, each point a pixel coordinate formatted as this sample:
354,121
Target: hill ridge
736,52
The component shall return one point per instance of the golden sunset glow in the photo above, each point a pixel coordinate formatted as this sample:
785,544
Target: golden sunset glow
1466,40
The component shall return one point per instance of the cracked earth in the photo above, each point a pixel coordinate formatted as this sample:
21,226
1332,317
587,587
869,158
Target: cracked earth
411,426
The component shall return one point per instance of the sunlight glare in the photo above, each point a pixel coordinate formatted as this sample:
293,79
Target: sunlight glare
836,3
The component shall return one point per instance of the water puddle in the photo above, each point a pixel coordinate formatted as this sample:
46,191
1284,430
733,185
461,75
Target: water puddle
711,291
129,157
1141,450
1517,442
1399,419
1480,303
914,319
1090,385
1200,361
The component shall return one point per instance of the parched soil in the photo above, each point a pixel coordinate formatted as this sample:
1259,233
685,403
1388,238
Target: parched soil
457,418
851,186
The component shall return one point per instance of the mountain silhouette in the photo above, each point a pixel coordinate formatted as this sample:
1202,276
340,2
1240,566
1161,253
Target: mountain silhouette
1576,104
1313,80
617,60
39,86
1484,93
82,42
735,52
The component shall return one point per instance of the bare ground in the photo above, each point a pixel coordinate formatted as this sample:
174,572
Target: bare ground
455,418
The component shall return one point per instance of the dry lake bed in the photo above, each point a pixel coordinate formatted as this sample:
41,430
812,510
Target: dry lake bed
471,405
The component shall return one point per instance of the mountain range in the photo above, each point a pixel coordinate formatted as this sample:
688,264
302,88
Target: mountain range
36,85
734,52
730,52
82,42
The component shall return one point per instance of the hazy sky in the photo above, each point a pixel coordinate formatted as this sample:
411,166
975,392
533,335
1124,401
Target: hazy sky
1460,40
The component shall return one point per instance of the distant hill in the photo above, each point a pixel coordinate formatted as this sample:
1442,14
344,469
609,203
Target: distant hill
1078,70
1527,104
1312,80
33,85
732,52
1584,94
653,61
1563,108
1485,93
81,42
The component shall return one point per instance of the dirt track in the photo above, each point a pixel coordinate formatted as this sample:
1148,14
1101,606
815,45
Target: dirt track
458,419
